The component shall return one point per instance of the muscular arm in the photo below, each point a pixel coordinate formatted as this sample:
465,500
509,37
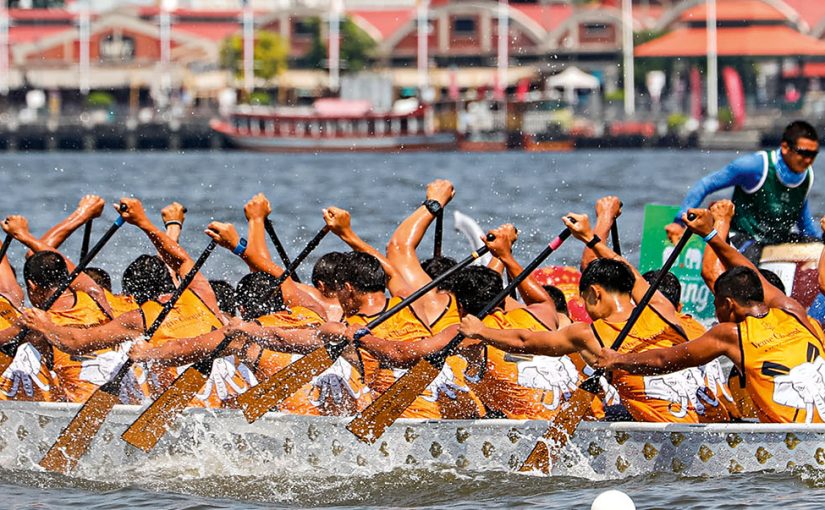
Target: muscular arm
406,354
298,340
184,350
9,288
745,171
806,223
403,243
128,326
574,338
721,340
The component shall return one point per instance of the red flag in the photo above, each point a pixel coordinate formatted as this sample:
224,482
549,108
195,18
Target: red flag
522,88
695,94
736,95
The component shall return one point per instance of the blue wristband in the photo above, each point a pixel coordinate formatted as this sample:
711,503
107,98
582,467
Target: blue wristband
240,248
119,221
710,235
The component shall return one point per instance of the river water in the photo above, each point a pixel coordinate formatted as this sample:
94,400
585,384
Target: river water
530,190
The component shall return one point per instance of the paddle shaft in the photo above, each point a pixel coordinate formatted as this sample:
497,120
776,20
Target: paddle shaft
5,247
87,238
614,238
439,233
113,386
10,348
279,247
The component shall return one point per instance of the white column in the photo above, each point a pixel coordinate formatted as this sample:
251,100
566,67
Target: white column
165,47
423,46
335,45
248,48
4,48
713,66
84,29
628,66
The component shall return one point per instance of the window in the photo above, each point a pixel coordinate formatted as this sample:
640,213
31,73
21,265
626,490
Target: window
303,28
464,26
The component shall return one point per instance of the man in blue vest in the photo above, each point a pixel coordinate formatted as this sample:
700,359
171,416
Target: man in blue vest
770,193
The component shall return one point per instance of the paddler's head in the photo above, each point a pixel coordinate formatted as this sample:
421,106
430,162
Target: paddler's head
436,266
258,294
736,292
226,296
325,273
604,286
44,272
475,287
147,278
360,274
800,146
670,287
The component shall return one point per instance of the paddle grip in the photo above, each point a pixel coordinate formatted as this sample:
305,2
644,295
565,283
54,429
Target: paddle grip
5,247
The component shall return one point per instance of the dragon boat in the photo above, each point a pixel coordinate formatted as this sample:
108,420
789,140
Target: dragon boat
597,450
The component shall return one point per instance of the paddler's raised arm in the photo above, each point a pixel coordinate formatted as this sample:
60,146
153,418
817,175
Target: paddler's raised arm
173,254
339,222
607,210
568,340
712,267
720,340
127,326
89,207
9,288
173,216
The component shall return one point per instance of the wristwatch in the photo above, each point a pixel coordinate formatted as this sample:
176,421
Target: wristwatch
433,206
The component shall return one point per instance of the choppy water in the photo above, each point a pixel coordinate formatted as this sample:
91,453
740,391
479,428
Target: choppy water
529,190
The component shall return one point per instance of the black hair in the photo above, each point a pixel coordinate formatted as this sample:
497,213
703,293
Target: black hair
363,271
326,270
146,278
612,275
557,295
670,286
257,294
773,279
46,269
225,294
436,266
799,129
100,276
475,287
741,284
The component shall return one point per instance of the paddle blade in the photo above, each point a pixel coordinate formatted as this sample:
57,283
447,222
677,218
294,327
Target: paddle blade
256,401
371,423
153,423
76,439
548,448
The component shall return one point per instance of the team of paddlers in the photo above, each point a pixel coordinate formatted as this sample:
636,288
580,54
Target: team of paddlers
523,360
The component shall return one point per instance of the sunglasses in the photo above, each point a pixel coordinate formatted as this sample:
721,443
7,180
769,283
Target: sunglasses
805,153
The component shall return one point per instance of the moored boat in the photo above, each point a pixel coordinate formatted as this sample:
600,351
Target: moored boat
290,442
334,125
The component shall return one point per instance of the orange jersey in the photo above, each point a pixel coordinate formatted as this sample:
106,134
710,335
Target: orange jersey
662,398
448,396
8,313
523,386
79,375
714,402
784,369
27,377
449,317
120,303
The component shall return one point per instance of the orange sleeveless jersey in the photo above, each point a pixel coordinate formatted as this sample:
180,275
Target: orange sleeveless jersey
27,378
121,304
446,397
523,386
714,396
69,368
350,394
783,366
189,318
649,398
449,317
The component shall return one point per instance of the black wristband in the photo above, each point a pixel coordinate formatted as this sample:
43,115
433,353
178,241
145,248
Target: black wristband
433,206
593,242
173,222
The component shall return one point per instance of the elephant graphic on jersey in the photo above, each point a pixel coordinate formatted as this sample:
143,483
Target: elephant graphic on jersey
556,375
611,394
221,379
23,372
333,383
101,368
803,387
443,384
716,380
674,388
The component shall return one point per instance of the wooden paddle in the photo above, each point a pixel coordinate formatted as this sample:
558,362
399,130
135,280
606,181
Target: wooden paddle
87,237
371,423
76,439
279,247
266,395
439,233
152,424
8,350
548,448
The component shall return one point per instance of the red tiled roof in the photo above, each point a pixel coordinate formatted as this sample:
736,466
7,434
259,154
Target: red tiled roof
386,22
812,11
809,70
31,33
735,10
40,14
213,31
548,16
755,41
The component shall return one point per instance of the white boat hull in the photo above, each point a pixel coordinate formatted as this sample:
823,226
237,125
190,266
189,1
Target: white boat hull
224,443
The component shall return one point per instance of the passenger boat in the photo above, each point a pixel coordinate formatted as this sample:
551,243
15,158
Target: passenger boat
547,142
334,125
597,450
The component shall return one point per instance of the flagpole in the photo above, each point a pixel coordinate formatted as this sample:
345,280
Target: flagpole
713,67
248,48
503,48
628,65
165,46
4,48
335,45
423,40
84,60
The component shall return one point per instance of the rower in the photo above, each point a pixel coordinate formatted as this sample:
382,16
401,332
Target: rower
770,193
766,334
607,286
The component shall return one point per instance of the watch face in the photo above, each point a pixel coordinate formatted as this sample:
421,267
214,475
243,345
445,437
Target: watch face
433,206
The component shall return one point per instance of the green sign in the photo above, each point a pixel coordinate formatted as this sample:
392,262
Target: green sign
696,297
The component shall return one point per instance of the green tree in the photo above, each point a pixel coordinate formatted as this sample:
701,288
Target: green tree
271,53
356,46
